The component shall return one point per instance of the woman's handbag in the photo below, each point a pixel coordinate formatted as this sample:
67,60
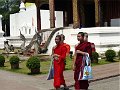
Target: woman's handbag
85,70
51,71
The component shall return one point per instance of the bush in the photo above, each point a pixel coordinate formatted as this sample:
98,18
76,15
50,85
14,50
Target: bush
110,54
95,57
119,54
14,60
33,63
2,60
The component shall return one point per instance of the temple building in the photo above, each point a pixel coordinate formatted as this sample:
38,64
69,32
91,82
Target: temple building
99,18
80,13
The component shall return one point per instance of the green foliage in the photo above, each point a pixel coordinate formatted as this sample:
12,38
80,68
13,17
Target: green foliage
33,63
8,7
119,54
69,63
110,54
95,57
14,60
2,60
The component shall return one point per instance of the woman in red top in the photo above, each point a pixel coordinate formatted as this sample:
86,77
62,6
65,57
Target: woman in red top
59,55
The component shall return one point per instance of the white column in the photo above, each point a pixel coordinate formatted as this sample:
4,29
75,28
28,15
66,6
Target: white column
0,22
2,39
1,32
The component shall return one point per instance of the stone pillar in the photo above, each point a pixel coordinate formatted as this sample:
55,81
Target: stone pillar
65,18
97,13
37,3
76,19
38,19
52,13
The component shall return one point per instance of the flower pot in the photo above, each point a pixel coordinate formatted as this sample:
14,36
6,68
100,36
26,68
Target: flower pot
35,71
15,66
95,61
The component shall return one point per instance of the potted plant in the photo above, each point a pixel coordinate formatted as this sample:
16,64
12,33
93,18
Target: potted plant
95,57
14,61
33,64
2,60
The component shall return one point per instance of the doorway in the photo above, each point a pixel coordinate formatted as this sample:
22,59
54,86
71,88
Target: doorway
89,10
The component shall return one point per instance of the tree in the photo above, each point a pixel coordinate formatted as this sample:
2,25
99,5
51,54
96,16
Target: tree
8,7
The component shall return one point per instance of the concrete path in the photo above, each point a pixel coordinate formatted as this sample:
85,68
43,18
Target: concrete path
15,81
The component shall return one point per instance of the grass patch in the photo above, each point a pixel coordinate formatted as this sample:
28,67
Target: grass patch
44,65
103,61
68,63
24,70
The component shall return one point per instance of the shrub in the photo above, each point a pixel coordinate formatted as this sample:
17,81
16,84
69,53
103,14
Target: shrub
14,60
95,57
2,60
119,54
33,62
110,54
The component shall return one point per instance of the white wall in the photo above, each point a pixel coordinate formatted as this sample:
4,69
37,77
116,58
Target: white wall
103,37
21,21
25,19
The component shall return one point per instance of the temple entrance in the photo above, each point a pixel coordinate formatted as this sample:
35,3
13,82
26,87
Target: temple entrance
89,12
66,7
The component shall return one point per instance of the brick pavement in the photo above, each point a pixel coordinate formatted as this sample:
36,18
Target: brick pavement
15,81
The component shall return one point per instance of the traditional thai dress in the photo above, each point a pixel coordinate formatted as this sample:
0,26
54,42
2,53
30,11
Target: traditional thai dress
85,47
59,65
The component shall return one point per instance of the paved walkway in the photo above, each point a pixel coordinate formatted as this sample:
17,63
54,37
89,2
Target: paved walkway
15,81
